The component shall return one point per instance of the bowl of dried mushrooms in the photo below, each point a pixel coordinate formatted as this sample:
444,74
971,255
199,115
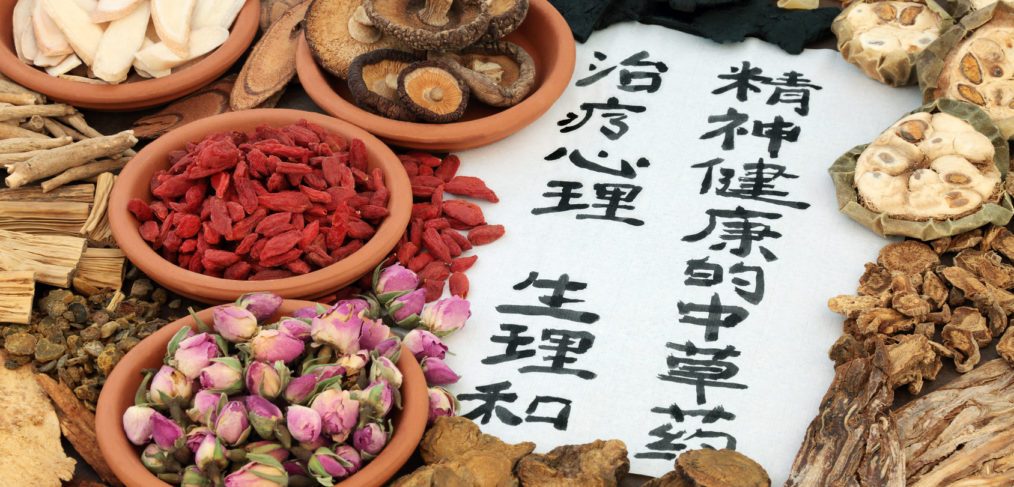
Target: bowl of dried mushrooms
436,75
936,172
125,54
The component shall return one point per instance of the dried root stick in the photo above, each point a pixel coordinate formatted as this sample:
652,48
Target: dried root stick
7,86
10,131
35,123
84,172
77,121
18,98
13,146
57,160
26,111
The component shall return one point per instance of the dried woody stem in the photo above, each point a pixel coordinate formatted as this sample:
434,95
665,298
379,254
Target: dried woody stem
57,160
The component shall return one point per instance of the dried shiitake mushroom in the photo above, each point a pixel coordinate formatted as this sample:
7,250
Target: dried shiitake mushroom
432,92
882,38
431,24
505,16
500,74
972,61
936,172
373,81
339,30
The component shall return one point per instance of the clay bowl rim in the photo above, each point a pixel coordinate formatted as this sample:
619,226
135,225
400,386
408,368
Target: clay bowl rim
129,95
133,182
118,394
455,136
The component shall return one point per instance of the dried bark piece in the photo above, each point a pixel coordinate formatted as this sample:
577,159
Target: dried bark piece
851,306
596,464
270,65
964,335
987,265
883,320
961,431
853,439
53,258
911,360
909,256
720,468
210,100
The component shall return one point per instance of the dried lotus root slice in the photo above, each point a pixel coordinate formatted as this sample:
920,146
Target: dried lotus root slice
882,38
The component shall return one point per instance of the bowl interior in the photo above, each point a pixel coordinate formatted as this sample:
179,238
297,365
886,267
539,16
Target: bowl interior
544,34
133,95
118,394
133,182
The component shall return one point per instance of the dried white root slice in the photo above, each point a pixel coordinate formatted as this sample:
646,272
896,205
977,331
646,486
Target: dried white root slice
172,21
20,23
888,191
109,10
147,71
87,5
29,49
49,61
48,36
159,56
209,13
76,24
121,40
65,66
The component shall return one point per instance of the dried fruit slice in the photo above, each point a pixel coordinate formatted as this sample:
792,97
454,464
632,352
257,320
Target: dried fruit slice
373,81
432,91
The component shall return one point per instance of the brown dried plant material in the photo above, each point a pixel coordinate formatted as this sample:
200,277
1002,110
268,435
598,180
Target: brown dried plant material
100,269
78,426
883,320
987,265
54,258
961,433
86,171
17,289
970,286
83,482
1005,347
272,10
852,306
908,256
911,304
55,161
484,460
271,64
853,440
911,360
964,335
671,479
596,464
437,475
720,468
1004,243
934,289
845,349
210,100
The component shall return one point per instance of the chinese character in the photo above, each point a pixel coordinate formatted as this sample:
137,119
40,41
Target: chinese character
755,295
627,76
559,421
664,447
741,228
741,81
794,91
562,343
614,195
702,373
702,273
776,132
491,395
757,184
554,302
514,340
707,416
625,170
713,319
616,119
568,192
729,130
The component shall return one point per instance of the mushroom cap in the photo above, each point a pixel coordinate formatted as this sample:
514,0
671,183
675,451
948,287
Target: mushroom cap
517,73
369,81
721,468
467,20
432,91
327,34
505,17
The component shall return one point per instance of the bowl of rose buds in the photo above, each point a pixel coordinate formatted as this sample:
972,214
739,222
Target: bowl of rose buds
265,391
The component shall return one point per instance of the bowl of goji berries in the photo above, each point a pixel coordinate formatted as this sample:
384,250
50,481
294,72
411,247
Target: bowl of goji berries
287,201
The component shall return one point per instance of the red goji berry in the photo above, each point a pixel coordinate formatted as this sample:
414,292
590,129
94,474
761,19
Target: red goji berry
220,219
315,195
422,191
173,241
280,244
159,209
376,179
209,234
463,211
346,250
437,223
298,266
458,238
406,251
462,264
415,230
425,170
425,211
357,155
417,263
471,187
246,244
411,167
277,182
370,212
428,181
434,270
292,201
448,168
142,212
318,259
433,289
380,197
238,271
458,285
215,259
194,198
174,187
149,230
236,212
188,225
315,180
485,234
255,249
435,245
424,158
220,182
360,229
195,264
278,259
243,227
309,233
268,274
272,221
452,246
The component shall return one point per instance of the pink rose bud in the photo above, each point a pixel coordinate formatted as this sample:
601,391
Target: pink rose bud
410,304
370,439
205,409
325,371
442,403
263,415
296,468
265,473
350,455
261,305
446,315
266,381
372,333
304,423
306,312
437,372
195,353
353,362
396,278
232,426
341,334
384,368
272,345
167,384
296,328
137,424
326,465
193,477
272,449
338,412
164,432
210,452
346,310
155,458
424,344
234,323
300,389
225,374
390,348
322,440
379,396
196,436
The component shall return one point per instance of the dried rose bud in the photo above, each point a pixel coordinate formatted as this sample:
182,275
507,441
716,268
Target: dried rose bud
370,439
205,409
325,371
194,354
234,323
225,374
350,455
263,415
232,426
322,440
326,465
446,315
266,380
304,423
210,452
379,396
342,334
196,436
354,362
137,424
405,309
442,403
272,449
424,344
272,345
262,471
372,333
169,383
155,458
261,305
384,368
296,468
296,328
300,388
306,312
390,348
193,477
394,279
338,411
437,372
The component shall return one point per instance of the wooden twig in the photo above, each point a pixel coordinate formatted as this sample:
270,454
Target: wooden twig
11,131
11,146
60,159
84,172
26,111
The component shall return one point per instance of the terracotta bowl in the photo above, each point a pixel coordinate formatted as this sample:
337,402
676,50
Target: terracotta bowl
128,95
544,34
133,183
121,385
